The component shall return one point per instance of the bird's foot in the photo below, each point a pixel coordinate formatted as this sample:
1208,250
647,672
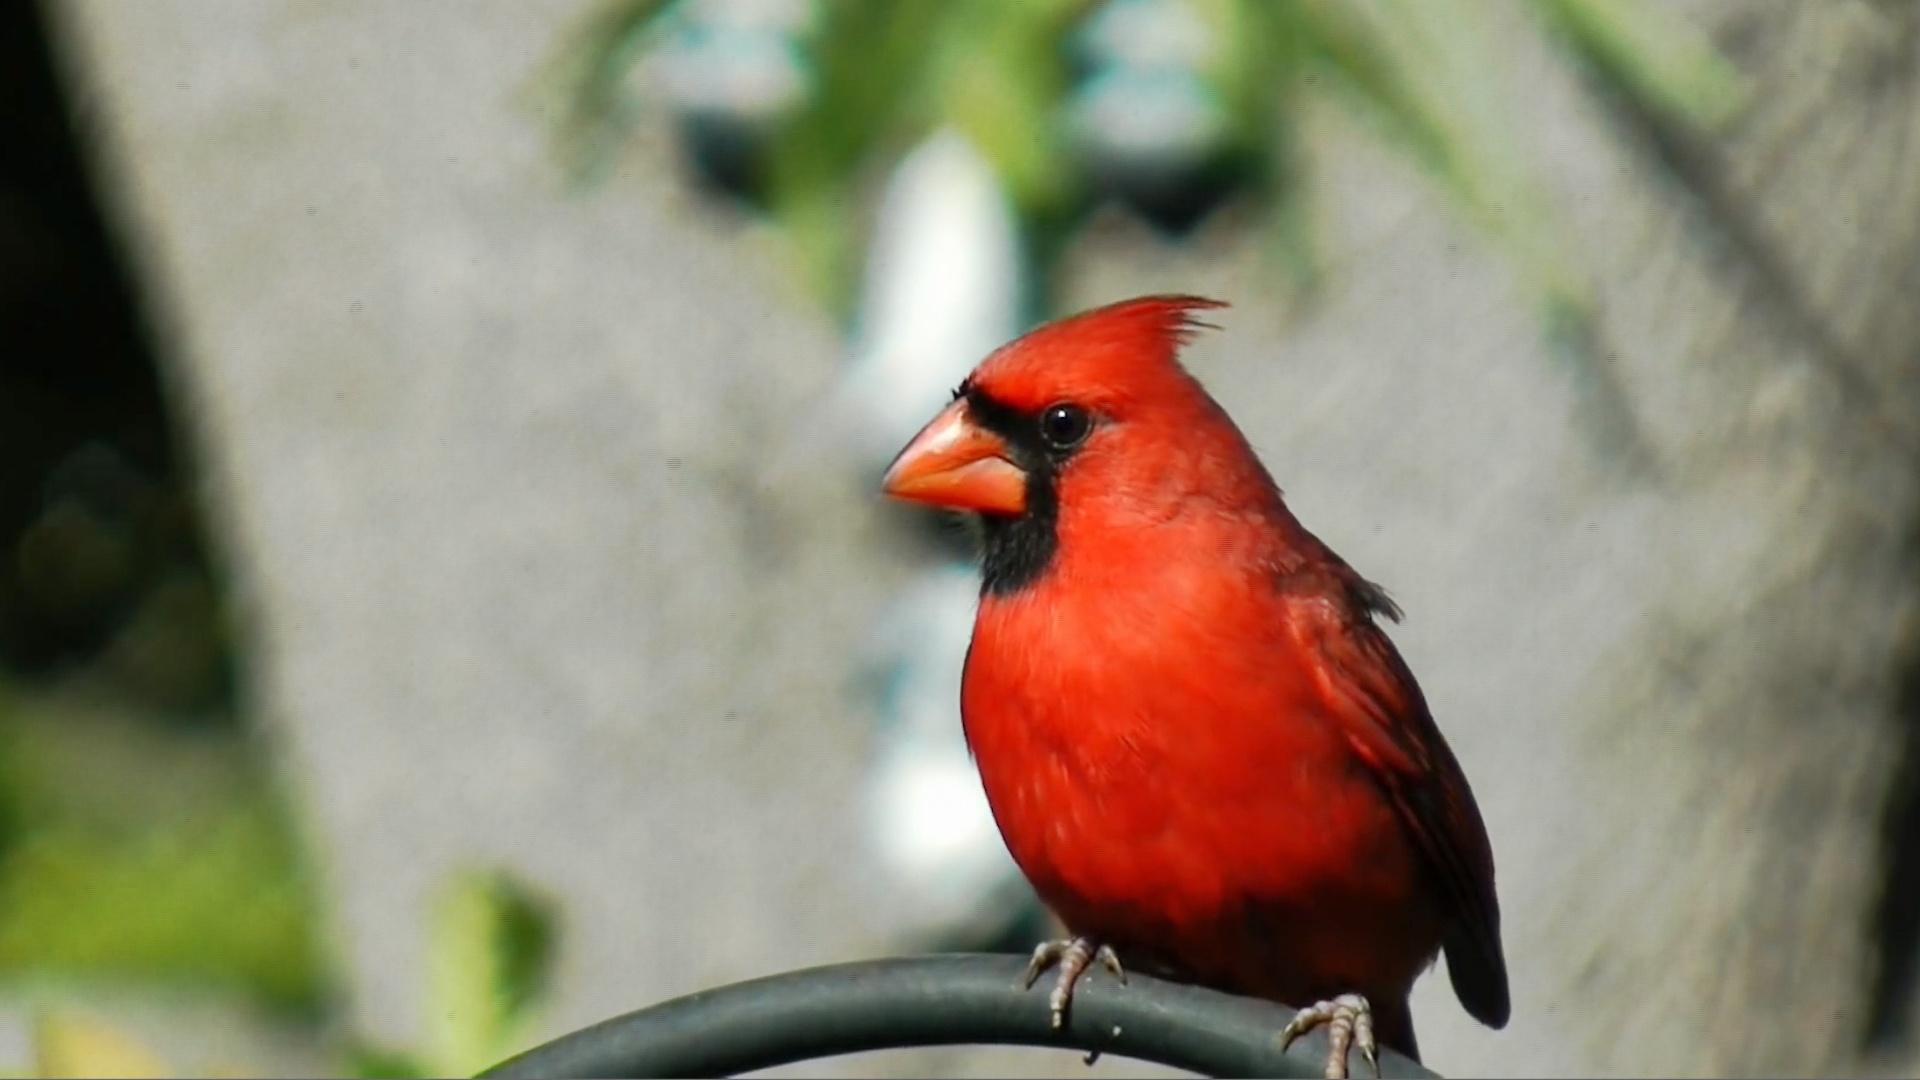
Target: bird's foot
1349,1021
1072,956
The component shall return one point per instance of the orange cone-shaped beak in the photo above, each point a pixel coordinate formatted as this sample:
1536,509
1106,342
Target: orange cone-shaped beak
957,464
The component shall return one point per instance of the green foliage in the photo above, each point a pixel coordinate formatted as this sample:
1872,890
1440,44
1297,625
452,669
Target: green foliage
1000,80
1427,73
135,852
1664,64
868,54
215,900
1257,74
1425,69
582,86
145,854
67,1043
492,953
489,965
887,73
375,1063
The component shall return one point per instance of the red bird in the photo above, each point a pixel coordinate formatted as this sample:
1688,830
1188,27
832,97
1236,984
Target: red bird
1198,745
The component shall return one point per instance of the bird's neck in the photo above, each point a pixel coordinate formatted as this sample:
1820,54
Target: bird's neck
1121,553
1017,553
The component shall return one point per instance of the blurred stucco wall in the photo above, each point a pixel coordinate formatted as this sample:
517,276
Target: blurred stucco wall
551,562
518,485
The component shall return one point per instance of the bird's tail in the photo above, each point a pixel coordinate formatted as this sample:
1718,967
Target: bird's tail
1479,972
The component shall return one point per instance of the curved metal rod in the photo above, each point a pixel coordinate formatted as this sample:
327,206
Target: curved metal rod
932,1001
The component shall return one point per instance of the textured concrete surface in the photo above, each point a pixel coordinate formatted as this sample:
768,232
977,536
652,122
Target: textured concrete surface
551,565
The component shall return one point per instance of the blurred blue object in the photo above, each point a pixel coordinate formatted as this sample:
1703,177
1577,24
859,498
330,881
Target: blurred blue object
1150,129
733,71
1167,35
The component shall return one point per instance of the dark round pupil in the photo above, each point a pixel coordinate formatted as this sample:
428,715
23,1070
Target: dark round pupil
1064,425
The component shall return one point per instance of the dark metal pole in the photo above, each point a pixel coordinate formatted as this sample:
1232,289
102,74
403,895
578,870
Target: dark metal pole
932,1001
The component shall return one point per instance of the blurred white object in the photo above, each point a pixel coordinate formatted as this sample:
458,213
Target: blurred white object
945,280
930,824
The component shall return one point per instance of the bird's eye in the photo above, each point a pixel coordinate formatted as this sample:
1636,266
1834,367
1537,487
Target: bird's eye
1064,425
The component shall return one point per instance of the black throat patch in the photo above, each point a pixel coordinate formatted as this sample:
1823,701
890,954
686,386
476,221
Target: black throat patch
1017,551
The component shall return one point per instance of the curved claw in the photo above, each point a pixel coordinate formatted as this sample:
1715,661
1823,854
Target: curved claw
1349,1021
1073,956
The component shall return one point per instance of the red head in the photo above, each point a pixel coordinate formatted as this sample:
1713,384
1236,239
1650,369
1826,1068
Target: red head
1089,422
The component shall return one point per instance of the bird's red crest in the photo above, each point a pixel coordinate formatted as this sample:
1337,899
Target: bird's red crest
1121,349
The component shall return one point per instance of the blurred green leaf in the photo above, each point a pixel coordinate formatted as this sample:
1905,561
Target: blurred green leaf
1662,61
582,85
72,1044
873,87
1335,37
1257,73
1002,79
1427,72
492,948
135,852
214,900
379,1063
886,73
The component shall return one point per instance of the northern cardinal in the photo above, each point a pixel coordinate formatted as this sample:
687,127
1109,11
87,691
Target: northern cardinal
1199,746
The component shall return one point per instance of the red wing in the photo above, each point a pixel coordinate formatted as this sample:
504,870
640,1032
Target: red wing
1372,695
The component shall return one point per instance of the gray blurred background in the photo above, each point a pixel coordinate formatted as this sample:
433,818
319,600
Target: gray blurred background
445,600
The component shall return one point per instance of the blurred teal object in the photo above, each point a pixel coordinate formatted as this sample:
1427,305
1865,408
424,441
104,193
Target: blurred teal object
733,71
1146,35
1149,128
1154,140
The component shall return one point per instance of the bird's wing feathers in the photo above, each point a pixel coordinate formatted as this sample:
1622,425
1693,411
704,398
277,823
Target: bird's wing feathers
1370,692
